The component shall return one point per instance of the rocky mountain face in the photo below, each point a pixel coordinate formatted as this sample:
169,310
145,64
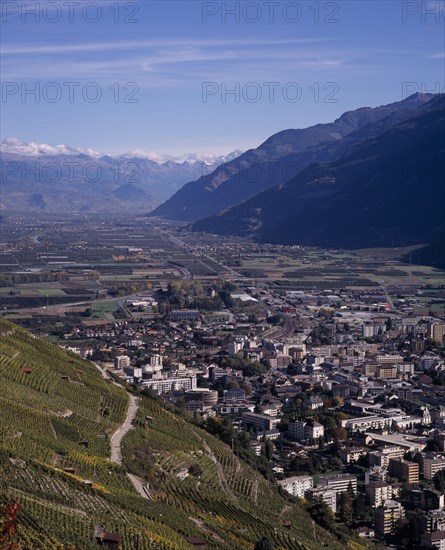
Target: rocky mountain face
280,158
388,190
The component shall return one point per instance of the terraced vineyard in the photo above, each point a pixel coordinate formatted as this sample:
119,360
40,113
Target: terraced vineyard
229,502
56,417
57,414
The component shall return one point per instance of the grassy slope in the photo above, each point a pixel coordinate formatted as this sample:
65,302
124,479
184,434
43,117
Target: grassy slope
44,416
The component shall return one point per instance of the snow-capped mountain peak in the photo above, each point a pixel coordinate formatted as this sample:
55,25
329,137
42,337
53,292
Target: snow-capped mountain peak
15,146
190,158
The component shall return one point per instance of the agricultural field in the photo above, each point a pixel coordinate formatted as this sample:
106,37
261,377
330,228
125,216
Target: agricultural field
51,289
368,267
85,261
104,309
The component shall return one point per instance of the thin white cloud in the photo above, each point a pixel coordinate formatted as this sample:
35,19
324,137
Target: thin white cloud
21,49
172,66
175,63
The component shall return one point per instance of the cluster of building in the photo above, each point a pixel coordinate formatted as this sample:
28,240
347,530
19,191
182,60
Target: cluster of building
375,370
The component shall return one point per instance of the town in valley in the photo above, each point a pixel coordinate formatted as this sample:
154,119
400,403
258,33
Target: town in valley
323,368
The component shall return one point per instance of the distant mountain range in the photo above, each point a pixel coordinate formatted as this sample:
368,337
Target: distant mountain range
280,158
63,179
32,149
385,188
373,177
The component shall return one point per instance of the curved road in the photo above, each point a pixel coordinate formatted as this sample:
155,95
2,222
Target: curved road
119,434
124,428
116,445
138,484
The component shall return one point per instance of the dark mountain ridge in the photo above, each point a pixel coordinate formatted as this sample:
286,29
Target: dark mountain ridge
278,159
386,191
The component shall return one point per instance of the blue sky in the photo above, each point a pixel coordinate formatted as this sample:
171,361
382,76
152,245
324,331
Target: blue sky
174,63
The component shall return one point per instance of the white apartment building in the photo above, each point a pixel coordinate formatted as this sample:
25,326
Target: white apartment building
137,372
156,360
382,456
435,540
297,485
328,496
366,423
340,483
380,491
380,422
301,430
152,368
386,517
389,359
164,385
121,362
234,347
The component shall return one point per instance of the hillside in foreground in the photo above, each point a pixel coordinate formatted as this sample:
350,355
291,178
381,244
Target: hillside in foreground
57,414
